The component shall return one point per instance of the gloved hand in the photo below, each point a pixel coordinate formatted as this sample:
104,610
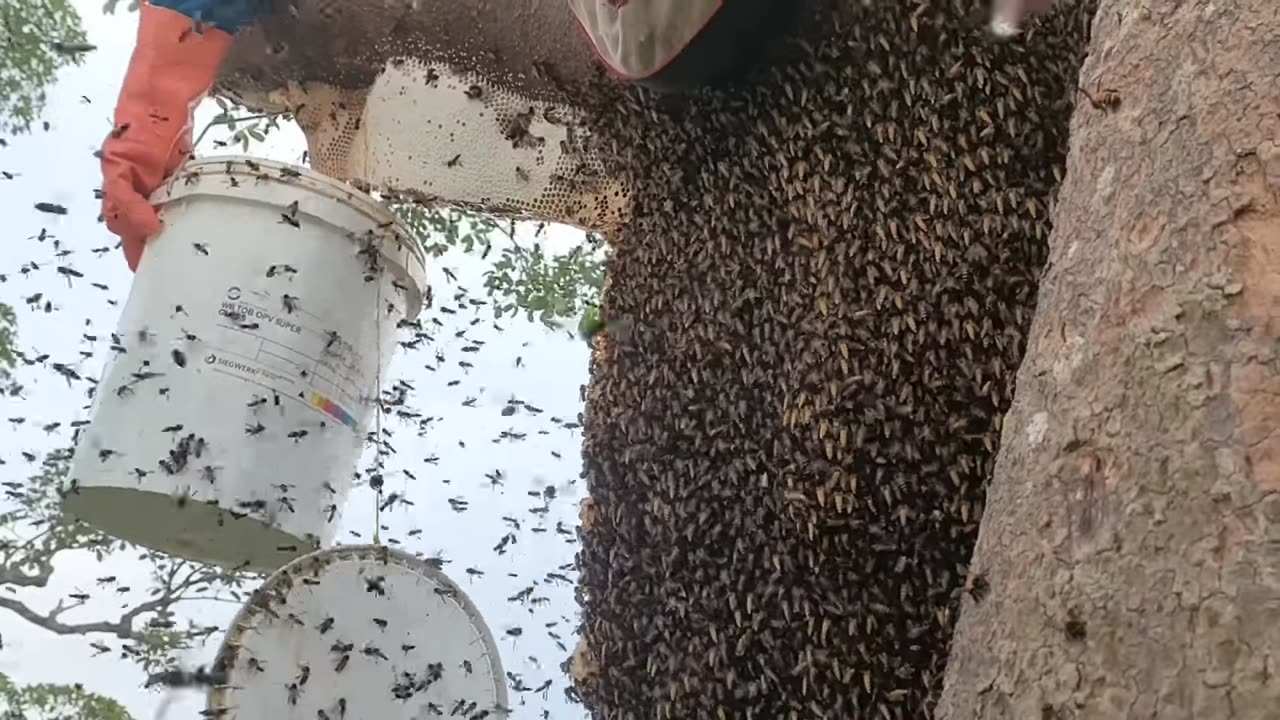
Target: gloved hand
181,44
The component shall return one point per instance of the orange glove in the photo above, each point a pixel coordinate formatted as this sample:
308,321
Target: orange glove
172,68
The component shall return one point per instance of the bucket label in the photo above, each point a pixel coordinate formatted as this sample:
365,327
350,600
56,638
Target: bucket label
245,314
289,354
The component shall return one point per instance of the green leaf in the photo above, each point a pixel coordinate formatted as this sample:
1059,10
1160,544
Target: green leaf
548,287
29,62
47,701
8,336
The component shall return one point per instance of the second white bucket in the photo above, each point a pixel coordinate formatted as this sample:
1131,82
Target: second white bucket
229,424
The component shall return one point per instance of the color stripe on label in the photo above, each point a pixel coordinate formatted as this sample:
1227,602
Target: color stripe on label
332,409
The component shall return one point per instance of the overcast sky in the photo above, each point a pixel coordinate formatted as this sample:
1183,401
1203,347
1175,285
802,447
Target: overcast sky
58,167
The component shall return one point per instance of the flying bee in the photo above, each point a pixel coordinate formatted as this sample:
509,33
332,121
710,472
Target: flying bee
180,678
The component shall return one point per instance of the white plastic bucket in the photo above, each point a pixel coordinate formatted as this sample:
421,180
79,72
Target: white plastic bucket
254,340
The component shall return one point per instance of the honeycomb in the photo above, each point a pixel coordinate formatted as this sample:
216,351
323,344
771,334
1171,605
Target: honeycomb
447,138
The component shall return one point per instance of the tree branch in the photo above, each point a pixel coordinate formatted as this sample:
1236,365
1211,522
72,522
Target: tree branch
61,607
228,121
9,551
13,575
121,628
145,629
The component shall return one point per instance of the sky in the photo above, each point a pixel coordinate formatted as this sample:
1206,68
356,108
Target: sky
58,167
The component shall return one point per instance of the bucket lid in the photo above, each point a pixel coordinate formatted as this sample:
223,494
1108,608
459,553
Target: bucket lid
359,631
254,179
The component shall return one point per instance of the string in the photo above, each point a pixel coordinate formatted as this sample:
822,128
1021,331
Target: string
377,400
375,256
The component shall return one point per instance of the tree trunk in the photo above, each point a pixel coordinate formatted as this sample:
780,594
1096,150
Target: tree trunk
1131,544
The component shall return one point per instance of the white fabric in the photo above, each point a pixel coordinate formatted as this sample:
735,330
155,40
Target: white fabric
637,38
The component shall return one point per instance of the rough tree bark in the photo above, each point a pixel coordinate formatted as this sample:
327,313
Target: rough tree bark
1131,544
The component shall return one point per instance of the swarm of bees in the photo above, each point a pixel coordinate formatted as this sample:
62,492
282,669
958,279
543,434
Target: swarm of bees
833,265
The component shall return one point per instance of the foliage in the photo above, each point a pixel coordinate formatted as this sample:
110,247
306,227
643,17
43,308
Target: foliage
47,701
245,129
109,7
528,280
8,351
33,533
8,326
554,286
37,39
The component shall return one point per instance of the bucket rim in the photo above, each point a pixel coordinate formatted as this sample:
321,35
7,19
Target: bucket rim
94,496
173,189
398,245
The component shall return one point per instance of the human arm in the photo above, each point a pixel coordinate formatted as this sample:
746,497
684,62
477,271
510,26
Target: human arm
181,44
